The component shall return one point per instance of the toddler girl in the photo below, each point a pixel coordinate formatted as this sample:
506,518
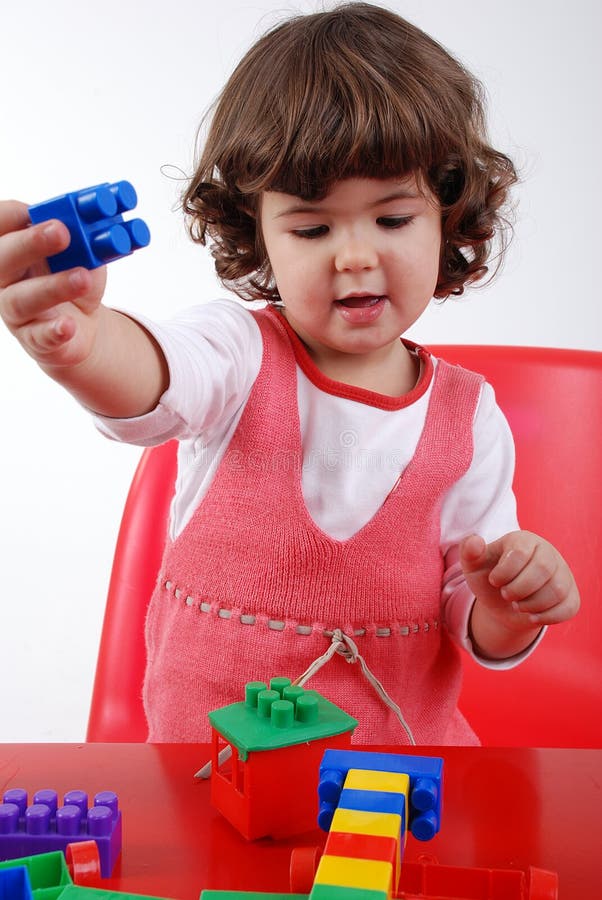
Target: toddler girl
336,482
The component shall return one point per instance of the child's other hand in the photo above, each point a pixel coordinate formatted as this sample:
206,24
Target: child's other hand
54,316
521,579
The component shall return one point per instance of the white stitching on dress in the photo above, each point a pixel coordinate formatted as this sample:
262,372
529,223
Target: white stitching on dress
280,625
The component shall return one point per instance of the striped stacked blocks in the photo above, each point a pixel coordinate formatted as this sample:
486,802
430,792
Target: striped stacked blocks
368,802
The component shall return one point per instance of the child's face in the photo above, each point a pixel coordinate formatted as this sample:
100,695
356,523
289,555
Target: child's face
356,269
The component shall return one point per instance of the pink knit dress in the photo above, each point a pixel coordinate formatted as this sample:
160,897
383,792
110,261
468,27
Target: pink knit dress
249,587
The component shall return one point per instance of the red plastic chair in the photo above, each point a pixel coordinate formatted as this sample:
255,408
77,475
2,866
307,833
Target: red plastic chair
116,712
553,401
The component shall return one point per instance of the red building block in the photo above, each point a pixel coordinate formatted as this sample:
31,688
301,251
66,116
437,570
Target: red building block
364,846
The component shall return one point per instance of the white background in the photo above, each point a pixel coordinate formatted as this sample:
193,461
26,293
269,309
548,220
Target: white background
92,93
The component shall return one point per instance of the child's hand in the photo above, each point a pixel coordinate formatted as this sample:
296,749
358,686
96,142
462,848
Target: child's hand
53,316
520,579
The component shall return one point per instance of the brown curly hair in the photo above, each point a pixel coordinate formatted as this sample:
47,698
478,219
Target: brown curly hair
354,92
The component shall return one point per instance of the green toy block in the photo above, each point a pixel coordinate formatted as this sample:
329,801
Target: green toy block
50,880
336,892
73,892
281,716
48,873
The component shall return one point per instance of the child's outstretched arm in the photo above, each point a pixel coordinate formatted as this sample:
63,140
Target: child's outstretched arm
106,360
521,582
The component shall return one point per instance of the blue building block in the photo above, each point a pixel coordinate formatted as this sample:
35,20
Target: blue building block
43,826
14,884
373,801
425,774
98,231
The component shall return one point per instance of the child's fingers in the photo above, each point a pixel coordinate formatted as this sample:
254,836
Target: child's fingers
14,215
535,589
551,604
516,553
501,560
44,338
476,555
27,300
28,247
472,549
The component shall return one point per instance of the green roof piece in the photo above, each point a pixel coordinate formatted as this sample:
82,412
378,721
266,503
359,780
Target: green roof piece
279,716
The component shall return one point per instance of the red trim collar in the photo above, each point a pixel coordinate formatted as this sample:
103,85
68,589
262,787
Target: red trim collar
349,391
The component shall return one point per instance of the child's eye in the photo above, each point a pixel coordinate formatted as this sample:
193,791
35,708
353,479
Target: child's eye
310,233
394,221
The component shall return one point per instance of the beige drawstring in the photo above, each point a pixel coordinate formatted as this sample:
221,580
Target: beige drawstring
344,645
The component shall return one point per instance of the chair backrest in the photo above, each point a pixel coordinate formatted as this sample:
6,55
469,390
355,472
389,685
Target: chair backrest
116,712
553,401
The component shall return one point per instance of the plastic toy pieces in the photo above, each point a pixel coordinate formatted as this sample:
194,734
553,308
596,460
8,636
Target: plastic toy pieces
46,871
267,747
281,716
14,884
424,773
367,833
424,880
44,826
45,877
98,232
429,879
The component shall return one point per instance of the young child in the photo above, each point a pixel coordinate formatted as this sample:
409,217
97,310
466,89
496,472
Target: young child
336,482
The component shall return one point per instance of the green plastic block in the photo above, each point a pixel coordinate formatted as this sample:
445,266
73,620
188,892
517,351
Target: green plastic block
83,893
48,873
279,716
50,880
336,892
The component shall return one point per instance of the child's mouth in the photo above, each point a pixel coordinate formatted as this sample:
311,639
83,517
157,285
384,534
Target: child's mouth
361,310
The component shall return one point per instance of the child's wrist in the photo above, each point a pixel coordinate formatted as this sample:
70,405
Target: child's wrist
499,637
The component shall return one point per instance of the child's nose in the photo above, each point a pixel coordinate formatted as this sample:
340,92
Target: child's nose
355,254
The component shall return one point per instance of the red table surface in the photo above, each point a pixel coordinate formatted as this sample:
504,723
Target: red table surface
506,808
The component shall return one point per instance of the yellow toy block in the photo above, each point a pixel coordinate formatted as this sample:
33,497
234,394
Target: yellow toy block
358,821
345,871
369,780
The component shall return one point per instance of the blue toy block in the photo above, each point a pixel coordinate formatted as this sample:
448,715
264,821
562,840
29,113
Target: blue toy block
14,884
425,774
373,801
43,826
98,231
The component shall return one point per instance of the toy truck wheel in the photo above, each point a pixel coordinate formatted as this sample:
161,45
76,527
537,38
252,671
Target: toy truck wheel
303,868
83,862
